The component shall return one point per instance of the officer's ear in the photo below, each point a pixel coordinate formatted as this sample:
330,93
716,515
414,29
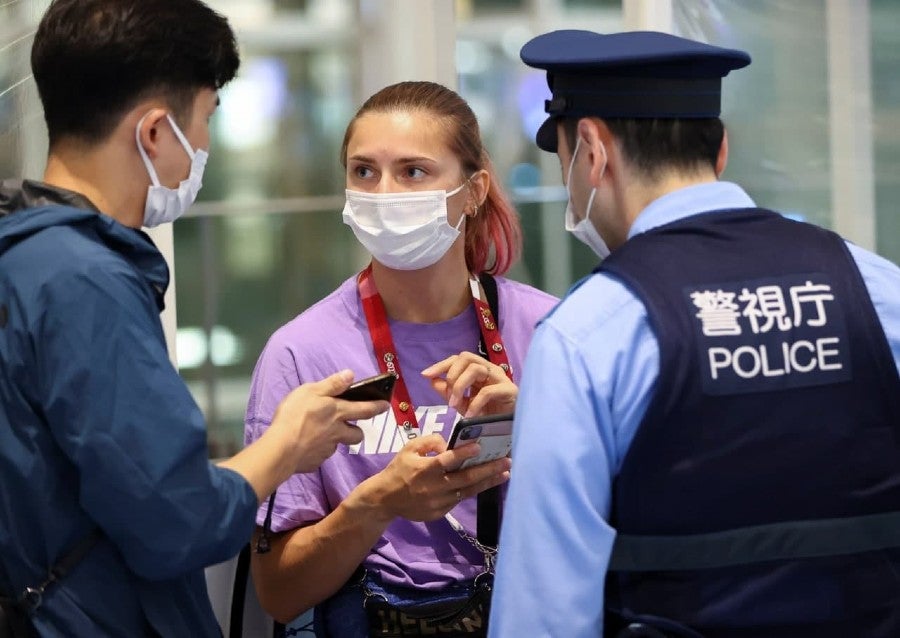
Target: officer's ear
599,146
722,158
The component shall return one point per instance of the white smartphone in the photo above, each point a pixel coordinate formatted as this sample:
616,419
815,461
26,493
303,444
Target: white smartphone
492,432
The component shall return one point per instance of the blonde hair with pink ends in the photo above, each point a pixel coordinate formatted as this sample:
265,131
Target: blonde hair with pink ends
493,241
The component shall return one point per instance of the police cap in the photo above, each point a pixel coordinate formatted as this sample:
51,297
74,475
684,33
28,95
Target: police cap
639,74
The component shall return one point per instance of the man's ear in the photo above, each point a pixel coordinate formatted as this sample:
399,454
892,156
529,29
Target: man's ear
597,142
148,132
722,158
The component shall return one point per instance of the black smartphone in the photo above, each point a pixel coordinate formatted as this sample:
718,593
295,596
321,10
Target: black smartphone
377,388
493,432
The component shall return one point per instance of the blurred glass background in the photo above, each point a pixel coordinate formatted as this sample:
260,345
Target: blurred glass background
814,131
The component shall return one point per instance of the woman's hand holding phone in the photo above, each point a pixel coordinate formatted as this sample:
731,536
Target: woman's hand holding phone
492,433
424,480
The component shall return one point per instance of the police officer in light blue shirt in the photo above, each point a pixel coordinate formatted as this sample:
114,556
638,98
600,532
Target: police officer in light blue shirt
708,428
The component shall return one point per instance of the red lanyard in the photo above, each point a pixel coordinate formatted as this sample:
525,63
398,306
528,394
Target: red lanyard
386,352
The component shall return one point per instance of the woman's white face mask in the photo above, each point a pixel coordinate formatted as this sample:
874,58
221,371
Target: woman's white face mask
403,231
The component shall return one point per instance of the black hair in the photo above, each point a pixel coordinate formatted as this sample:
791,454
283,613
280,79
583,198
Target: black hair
93,60
654,146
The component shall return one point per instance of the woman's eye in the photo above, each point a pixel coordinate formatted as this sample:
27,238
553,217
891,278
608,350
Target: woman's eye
414,172
363,172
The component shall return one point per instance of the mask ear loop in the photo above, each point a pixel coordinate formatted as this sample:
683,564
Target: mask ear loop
466,185
590,204
181,137
151,170
460,222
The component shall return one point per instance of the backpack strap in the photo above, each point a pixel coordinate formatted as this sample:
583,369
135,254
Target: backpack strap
31,598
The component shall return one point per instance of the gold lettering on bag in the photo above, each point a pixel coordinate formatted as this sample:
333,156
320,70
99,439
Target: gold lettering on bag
408,623
476,621
397,624
388,621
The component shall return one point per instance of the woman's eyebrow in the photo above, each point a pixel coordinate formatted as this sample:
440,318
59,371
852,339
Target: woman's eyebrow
399,160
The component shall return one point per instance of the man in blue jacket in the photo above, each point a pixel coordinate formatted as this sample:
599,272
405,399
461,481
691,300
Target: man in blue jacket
708,427
103,457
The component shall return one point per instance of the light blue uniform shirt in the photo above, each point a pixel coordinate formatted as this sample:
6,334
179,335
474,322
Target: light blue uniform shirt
589,375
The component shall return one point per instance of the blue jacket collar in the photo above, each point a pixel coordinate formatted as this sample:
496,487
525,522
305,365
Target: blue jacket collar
34,206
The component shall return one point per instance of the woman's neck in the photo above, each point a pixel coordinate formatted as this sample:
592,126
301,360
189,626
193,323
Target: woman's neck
430,295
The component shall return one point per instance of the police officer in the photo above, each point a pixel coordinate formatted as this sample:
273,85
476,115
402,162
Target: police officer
708,427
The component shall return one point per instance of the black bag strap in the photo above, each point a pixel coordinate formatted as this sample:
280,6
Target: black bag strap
488,512
264,539
239,597
32,597
239,593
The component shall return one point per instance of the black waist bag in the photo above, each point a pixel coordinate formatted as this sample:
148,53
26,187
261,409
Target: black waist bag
466,616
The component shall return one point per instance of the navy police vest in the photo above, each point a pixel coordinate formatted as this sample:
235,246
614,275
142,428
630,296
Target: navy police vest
761,493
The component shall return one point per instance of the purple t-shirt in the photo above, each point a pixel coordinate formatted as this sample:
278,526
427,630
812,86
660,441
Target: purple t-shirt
332,335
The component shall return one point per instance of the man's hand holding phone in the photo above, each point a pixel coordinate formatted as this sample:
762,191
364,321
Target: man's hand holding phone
317,424
306,429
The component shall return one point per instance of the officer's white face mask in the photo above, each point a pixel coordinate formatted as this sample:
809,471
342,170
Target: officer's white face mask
584,230
403,231
165,204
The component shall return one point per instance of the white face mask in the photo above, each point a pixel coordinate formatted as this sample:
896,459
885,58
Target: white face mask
583,230
168,204
403,231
